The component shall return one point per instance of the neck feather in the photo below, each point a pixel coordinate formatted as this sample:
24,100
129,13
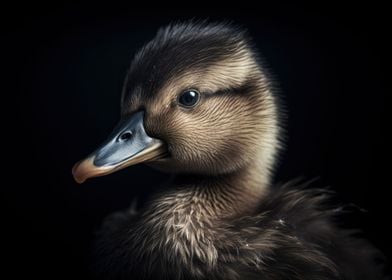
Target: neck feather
219,197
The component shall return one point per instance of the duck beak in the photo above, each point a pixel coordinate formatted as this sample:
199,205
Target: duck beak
128,144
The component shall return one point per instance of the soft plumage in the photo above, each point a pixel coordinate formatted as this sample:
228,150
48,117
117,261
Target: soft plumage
291,236
220,218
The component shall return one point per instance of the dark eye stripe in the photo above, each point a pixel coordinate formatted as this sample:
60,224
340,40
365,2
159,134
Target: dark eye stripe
240,91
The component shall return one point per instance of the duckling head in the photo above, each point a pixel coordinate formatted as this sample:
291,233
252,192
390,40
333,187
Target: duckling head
196,100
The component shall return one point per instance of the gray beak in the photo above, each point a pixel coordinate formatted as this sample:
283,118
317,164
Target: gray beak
128,144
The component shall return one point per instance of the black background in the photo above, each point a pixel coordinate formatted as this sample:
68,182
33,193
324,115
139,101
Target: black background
64,71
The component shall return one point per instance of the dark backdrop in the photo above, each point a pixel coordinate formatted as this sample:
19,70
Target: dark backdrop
65,69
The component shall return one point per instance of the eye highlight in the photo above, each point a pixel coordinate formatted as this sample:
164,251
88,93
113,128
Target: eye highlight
189,98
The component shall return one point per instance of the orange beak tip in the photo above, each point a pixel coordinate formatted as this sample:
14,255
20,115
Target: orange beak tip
81,170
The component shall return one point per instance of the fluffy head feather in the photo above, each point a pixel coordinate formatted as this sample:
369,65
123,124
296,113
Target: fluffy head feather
235,122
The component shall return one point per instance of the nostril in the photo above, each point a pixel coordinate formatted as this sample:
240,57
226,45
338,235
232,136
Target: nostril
125,136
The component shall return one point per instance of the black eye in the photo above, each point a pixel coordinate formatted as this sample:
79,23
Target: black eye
189,98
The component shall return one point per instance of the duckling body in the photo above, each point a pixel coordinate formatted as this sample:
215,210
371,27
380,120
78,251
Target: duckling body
198,103
290,236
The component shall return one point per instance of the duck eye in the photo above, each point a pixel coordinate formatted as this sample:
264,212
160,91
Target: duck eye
189,98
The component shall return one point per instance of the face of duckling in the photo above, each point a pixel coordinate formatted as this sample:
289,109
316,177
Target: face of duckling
194,101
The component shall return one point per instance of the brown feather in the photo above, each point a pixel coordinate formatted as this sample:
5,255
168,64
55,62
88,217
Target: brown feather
221,219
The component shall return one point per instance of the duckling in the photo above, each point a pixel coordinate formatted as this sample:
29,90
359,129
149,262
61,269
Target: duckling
198,103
